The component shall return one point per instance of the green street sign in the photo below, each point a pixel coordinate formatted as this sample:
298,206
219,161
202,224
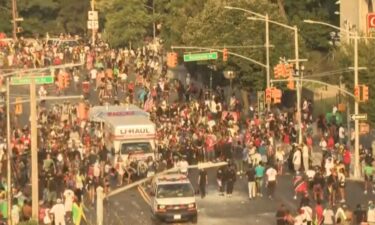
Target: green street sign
27,80
200,56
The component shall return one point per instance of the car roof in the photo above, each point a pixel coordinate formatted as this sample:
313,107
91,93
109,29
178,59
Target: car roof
172,179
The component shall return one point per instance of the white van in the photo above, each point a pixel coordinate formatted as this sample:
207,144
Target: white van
173,198
127,130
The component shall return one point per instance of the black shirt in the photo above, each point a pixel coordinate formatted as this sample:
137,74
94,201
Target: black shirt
359,214
250,175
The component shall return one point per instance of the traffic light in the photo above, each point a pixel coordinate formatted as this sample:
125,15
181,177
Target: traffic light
172,59
268,95
18,110
357,92
225,55
277,72
288,70
364,93
291,85
276,94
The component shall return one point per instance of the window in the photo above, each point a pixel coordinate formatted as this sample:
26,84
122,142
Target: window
174,190
141,147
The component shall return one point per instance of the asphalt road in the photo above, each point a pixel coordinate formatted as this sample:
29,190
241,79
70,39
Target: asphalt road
131,207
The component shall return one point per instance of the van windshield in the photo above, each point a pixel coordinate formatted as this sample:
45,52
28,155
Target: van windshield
174,190
128,148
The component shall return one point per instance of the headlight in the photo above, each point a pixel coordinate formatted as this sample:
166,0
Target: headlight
191,205
161,206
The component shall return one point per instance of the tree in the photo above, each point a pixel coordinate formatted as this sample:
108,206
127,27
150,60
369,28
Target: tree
126,21
5,17
366,59
216,26
173,17
323,10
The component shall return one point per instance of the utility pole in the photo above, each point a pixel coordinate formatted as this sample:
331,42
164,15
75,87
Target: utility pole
357,168
14,16
34,151
266,18
93,30
299,84
9,157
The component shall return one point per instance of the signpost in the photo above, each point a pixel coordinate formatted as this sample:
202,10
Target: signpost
92,24
200,56
358,116
27,80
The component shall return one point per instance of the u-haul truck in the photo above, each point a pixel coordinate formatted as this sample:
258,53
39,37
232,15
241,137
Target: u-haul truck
127,130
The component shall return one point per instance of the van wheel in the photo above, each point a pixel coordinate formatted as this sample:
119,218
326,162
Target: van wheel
194,220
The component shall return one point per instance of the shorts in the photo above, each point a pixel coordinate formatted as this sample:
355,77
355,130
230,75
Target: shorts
368,178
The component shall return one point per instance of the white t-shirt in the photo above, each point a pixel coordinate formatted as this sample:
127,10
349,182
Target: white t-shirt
341,133
328,216
93,74
271,174
298,220
297,157
308,212
305,151
58,211
69,196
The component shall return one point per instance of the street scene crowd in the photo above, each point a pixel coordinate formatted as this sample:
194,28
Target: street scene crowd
194,124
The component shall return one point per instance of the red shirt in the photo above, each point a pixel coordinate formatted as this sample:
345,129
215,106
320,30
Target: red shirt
319,212
330,143
347,157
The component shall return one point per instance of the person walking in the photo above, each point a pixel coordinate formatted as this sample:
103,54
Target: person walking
231,179
271,181
259,174
202,182
221,180
251,182
280,215
342,183
328,216
58,212
297,159
368,171
371,213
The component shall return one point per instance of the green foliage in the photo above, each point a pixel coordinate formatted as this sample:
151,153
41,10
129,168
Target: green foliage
5,16
321,10
366,58
126,22
217,26
42,16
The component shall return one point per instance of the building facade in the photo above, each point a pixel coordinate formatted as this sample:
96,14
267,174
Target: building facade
354,15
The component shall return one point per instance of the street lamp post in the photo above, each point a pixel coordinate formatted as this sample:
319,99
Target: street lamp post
9,155
266,19
353,35
297,61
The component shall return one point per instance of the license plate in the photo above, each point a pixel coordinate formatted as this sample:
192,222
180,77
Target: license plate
177,217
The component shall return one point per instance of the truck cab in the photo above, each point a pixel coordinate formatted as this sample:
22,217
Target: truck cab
173,198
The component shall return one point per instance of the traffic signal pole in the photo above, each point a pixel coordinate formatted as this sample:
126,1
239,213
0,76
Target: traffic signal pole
266,18
34,151
14,22
9,157
299,85
357,168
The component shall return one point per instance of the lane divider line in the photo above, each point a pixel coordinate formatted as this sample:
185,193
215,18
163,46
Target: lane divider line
144,195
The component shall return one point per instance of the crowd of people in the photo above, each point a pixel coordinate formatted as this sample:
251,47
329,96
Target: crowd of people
194,124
